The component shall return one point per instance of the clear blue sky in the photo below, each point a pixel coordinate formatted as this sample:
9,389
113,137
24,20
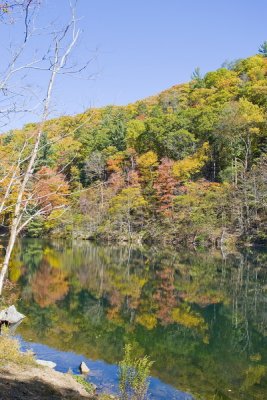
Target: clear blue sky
145,46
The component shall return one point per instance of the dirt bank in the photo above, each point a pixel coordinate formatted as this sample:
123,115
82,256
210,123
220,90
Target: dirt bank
33,383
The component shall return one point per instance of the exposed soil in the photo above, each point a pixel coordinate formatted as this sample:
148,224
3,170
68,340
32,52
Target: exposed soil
34,383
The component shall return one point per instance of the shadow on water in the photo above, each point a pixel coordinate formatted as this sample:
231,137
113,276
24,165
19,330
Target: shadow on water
200,316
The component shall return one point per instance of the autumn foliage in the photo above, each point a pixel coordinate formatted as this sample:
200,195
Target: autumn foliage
186,166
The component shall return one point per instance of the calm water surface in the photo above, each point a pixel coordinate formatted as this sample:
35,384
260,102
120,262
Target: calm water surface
200,316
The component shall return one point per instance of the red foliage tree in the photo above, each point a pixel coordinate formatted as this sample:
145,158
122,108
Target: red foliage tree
165,185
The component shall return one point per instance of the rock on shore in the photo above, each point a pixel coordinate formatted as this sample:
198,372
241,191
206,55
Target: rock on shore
44,363
84,369
11,315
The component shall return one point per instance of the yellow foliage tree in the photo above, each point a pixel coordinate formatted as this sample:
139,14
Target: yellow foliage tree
149,321
148,163
185,316
184,169
134,129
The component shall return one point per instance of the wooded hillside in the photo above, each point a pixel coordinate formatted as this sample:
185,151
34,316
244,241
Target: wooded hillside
185,166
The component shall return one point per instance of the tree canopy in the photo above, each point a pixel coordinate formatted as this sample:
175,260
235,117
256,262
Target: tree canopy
186,165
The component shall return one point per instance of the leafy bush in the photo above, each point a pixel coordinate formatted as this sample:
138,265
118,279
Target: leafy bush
133,375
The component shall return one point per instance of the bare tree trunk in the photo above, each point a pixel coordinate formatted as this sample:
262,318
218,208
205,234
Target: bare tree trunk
9,249
16,224
235,172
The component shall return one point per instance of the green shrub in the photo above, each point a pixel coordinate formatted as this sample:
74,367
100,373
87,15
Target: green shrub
133,376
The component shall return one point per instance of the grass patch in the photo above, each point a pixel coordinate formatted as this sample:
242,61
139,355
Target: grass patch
10,352
87,385
91,388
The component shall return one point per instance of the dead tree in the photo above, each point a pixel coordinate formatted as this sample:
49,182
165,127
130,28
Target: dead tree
63,42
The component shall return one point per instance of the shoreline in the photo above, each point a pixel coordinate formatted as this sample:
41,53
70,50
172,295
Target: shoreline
22,378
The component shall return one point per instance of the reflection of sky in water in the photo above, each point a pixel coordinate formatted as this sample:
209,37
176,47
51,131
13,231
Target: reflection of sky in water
104,375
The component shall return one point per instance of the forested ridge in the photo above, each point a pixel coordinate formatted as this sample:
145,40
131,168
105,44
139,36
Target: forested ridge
187,166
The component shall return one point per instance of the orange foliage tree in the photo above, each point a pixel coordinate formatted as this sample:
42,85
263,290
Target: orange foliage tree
50,190
165,186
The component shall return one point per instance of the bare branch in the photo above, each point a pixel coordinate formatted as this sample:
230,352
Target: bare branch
61,53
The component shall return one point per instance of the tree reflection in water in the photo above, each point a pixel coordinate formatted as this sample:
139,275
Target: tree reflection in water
200,316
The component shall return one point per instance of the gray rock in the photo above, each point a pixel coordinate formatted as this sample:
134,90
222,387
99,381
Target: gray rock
44,363
84,369
11,315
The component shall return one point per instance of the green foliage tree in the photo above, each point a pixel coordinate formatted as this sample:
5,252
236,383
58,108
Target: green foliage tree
197,79
263,49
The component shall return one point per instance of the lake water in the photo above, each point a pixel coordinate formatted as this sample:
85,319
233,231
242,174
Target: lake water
201,316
